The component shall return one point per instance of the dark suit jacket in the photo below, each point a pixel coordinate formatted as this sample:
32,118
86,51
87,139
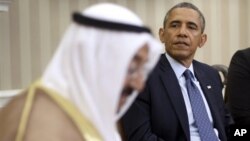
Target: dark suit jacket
159,112
238,87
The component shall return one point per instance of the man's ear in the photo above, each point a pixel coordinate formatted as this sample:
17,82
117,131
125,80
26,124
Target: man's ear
161,35
203,40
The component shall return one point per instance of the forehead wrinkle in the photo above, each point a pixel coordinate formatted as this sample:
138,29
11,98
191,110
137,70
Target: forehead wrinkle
177,17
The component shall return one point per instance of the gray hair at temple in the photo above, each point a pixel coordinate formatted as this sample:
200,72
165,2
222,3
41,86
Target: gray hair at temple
190,6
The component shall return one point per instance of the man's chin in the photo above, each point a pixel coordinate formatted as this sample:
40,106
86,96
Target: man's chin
180,55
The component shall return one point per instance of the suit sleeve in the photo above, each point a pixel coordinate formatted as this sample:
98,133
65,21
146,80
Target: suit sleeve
136,122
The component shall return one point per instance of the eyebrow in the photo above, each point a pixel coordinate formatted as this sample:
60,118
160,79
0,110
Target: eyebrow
175,21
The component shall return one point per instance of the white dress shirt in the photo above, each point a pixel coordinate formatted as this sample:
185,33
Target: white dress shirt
179,69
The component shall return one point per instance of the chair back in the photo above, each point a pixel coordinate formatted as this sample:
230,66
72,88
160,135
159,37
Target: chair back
223,70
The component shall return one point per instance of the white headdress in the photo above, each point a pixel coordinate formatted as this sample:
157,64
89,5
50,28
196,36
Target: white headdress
90,65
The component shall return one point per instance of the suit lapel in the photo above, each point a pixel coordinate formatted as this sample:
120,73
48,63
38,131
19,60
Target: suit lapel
205,84
206,87
173,89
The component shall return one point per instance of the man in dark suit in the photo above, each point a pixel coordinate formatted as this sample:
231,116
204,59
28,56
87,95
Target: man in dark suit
238,87
164,111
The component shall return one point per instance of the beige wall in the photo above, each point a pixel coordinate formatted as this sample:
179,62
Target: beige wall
30,32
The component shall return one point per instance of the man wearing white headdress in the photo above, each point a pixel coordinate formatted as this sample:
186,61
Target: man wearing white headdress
94,76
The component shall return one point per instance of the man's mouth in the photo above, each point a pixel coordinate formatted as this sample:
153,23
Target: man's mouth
181,43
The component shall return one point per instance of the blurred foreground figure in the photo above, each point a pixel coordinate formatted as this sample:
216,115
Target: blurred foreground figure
238,87
94,76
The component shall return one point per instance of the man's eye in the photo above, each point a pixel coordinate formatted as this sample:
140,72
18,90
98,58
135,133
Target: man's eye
192,27
173,25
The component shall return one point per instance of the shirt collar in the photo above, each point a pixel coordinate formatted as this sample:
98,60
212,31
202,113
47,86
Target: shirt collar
178,67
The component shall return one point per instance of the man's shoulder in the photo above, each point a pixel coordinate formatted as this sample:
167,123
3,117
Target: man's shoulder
205,67
9,117
243,54
245,51
162,63
52,121
207,72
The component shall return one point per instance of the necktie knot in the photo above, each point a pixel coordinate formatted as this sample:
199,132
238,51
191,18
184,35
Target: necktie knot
188,74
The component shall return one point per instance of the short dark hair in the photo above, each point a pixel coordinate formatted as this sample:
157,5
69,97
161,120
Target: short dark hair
190,6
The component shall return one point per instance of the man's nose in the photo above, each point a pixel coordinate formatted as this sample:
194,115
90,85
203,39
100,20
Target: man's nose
183,31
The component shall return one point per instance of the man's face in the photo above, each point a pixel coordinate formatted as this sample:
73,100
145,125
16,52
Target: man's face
182,34
135,75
